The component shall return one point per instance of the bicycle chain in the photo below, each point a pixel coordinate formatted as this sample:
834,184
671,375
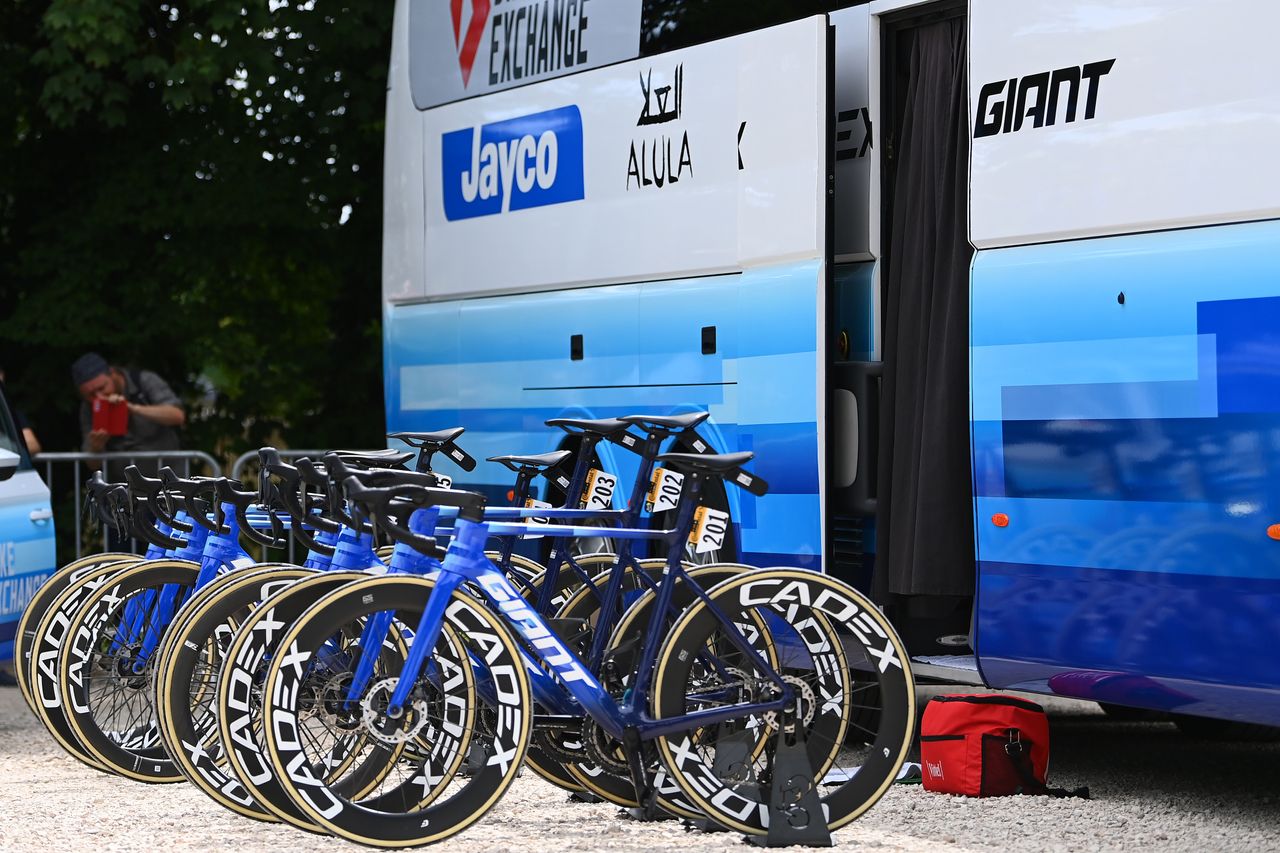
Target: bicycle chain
600,748
548,742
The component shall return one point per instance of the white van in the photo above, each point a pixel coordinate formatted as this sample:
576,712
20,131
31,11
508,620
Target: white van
27,548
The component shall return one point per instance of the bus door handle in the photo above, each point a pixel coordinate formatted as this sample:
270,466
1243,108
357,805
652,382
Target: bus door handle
39,515
857,420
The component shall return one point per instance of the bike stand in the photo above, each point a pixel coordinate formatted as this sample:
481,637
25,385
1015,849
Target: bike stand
794,818
643,815
638,754
733,754
703,824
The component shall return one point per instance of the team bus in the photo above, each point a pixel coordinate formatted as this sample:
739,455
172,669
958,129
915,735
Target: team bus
991,289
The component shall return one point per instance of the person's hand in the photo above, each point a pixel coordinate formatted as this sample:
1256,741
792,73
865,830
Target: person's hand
113,398
98,440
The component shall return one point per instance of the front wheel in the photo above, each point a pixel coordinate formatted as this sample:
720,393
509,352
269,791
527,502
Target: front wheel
443,701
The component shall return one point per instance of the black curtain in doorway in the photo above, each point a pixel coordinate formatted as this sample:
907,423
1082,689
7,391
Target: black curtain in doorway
924,524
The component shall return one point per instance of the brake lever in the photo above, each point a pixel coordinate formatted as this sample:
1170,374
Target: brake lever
144,529
376,503
243,499
189,491
149,490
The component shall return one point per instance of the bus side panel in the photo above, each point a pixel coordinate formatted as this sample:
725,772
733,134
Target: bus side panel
1126,423
500,366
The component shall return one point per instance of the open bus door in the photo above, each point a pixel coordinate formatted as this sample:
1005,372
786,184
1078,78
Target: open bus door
901,482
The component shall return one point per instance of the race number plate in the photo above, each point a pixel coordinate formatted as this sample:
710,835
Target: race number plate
444,481
709,529
598,494
664,490
531,503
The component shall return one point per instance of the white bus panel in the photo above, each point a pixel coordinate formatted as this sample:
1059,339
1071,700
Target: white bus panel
1127,116
707,159
402,202
463,48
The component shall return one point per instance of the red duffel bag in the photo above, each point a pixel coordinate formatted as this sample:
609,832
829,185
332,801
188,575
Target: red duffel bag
986,746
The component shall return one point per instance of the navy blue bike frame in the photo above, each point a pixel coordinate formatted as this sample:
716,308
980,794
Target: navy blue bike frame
579,690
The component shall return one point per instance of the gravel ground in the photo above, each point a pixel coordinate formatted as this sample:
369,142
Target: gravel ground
1153,790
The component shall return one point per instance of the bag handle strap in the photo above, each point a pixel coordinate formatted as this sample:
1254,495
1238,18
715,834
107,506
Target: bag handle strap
1020,758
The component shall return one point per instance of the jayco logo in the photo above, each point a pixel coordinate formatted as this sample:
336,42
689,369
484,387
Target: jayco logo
524,162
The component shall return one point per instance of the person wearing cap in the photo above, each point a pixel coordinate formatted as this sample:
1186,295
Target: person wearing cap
155,412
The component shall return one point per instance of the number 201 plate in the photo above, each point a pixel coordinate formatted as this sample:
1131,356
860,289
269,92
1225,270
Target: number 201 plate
709,529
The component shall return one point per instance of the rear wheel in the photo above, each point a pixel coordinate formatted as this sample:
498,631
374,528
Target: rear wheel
716,773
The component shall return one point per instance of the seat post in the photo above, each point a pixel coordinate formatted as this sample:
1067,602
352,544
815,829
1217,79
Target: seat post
581,466
648,453
524,479
425,452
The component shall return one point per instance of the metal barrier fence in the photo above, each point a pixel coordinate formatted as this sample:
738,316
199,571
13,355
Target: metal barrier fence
183,461
82,464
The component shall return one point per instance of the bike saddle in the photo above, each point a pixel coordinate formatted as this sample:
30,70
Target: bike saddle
337,470
601,426
710,463
724,465
441,441
536,462
388,458
436,439
666,423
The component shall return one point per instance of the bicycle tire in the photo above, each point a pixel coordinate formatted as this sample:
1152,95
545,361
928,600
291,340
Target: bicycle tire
24,634
239,721
92,654
863,629
361,775
48,648
194,744
489,638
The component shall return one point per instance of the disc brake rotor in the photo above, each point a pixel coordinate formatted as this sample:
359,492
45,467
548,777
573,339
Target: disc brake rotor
376,722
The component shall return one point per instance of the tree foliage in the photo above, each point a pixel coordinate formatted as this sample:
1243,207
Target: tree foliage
193,187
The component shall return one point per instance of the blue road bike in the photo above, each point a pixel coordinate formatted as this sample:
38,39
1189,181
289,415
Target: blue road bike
704,705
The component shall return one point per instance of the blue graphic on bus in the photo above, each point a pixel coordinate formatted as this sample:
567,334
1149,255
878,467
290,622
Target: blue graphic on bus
519,163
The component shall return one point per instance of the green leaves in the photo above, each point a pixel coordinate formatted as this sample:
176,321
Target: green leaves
139,217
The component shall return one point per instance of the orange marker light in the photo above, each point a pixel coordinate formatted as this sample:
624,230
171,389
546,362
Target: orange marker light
511,494
1000,520
1274,531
